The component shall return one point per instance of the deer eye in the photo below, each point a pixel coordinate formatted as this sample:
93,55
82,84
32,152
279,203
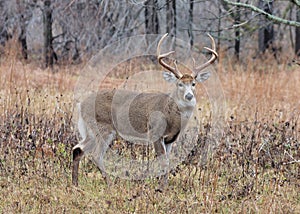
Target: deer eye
193,84
180,84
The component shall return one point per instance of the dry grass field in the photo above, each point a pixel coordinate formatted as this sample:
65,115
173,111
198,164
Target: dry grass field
254,169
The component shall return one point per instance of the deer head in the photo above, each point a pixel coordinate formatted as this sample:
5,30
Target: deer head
185,83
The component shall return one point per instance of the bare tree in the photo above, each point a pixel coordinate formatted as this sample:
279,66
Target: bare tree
268,19
266,31
151,17
48,37
235,14
237,20
272,17
24,13
171,17
4,34
191,16
297,34
83,28
72,30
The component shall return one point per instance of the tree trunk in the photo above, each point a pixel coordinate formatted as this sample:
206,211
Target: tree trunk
174,17
266,32
237,20
151,17
171,17
190,31
220,23
297,35
22,38
48,38
22,22
147,17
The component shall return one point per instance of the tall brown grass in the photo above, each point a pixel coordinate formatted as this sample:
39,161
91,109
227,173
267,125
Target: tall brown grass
254,169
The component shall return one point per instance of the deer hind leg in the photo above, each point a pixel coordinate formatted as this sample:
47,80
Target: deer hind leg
84,146
106,138
96,147
77,154
78,151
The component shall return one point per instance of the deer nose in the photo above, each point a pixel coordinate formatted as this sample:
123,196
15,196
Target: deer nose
189,96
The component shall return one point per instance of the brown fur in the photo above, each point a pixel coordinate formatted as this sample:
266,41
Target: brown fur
103,113
186,78
139,111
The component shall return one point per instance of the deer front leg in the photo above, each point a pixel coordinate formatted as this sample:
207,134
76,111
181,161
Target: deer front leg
157,126
162,151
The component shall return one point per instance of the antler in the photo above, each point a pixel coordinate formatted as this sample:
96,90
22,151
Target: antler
160,58
214,56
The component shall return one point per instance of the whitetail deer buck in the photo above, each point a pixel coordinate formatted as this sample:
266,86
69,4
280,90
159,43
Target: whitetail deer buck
98,128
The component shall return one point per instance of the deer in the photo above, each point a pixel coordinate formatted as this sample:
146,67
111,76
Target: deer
97,116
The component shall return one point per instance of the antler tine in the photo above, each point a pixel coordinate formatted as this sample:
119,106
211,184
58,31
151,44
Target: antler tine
160,58
211,60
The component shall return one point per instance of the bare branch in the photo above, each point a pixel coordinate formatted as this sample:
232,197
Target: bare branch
269,16
297,2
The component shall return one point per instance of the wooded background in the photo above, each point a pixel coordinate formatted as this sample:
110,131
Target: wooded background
254,168
66,31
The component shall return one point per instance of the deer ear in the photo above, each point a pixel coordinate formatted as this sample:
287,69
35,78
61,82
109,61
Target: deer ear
203,76
169,77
